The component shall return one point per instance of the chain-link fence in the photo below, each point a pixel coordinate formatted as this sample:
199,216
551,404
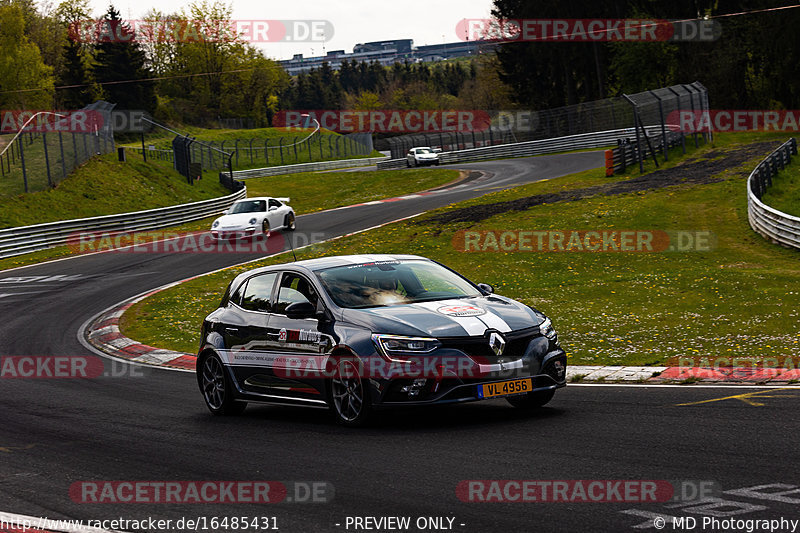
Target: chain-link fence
648,108
261,152
46,151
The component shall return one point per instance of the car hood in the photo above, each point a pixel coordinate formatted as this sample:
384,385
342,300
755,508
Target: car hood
427,156
465,317
238,220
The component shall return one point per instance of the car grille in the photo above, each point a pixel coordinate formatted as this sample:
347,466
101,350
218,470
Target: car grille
478,347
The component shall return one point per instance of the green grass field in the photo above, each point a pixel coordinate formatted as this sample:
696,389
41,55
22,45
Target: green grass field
738,297
257,148
105,186
784,195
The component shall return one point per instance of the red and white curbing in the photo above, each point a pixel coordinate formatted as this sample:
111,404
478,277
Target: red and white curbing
103,334
681,374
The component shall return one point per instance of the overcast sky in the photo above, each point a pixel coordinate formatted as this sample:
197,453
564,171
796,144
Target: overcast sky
354,21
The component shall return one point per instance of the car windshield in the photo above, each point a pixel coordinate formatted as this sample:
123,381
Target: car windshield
383,283
423,150
248,206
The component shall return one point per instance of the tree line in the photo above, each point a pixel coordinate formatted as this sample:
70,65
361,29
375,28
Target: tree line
44,65
753,64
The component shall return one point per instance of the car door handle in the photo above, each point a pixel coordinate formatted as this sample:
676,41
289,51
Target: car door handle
232,330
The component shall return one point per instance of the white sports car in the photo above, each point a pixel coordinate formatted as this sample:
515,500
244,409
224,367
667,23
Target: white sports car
254,217
422,155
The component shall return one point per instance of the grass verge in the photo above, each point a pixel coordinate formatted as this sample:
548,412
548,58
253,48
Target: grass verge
784,195
309,191
739,298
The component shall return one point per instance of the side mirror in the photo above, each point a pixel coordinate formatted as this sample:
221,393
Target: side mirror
225,212
437,150
485,287
273,208
301,310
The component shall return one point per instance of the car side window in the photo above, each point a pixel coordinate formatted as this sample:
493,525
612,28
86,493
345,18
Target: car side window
294,288
257,294
274,203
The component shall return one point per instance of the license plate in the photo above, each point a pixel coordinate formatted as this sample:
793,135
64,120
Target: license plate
504,388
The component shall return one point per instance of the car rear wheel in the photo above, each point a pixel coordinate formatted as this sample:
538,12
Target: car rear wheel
350,401
290,222
217,388
532,400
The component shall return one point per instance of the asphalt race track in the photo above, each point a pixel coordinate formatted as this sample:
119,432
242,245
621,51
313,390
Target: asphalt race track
143,424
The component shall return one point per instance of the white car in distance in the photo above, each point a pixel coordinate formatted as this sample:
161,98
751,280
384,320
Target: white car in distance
254,217
422,155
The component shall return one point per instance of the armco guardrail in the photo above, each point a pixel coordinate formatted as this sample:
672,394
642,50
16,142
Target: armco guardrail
770,223
22,240
304,167
530,148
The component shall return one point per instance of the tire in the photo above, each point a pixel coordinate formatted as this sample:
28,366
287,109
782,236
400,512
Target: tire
265,228
217,389
289,223
408,165
349,399
532,400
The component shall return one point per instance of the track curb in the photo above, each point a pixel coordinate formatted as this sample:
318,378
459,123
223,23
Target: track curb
103,333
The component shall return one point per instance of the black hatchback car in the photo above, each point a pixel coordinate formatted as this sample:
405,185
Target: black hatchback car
358,333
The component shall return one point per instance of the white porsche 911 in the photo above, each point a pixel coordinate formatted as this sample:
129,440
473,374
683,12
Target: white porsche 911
254,217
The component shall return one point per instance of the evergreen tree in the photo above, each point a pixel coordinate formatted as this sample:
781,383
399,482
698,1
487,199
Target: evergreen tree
120,59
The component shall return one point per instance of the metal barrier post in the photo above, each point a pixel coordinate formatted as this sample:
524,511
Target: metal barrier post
636,128
47,159
22,159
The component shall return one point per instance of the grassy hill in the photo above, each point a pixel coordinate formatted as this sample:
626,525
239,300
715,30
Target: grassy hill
731,294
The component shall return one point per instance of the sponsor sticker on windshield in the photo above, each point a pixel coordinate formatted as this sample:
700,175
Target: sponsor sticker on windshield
461,310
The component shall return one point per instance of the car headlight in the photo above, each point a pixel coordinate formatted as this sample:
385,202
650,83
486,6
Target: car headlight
253,221
215,224
546,329
395,344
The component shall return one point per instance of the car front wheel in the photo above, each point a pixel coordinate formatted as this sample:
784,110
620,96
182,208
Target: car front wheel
265,228
532,400
217,388
290,222
350,401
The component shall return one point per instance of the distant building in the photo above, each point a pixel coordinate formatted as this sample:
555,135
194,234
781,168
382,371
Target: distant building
386,53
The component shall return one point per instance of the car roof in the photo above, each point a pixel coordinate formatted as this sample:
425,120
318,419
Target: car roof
322,263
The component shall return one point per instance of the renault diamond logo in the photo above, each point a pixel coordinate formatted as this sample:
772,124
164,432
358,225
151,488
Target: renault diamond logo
497,343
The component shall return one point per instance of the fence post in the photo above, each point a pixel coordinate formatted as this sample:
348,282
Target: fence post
294,144
321,156
691,103
22,160
636,128
47,159
63,164
280,148
663,126
266,151
251,151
